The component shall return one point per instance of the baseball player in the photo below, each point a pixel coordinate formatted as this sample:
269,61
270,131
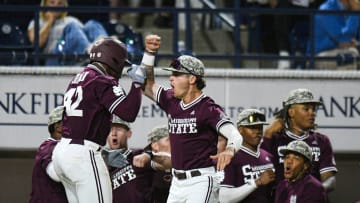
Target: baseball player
299,186
297,122
90,99
158,152
249,175
44,188
194,121
129,183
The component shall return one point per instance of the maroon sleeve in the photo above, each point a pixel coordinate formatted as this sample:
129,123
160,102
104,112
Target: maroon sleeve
130,106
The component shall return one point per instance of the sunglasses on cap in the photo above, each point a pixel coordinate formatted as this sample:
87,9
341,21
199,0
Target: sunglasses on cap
177,65
253,118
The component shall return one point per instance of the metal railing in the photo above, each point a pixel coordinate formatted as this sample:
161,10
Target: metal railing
223,13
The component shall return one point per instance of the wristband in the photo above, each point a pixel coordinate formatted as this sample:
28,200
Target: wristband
148,59
149,152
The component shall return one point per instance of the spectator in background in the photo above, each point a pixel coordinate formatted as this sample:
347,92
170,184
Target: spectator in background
44,186
297,122
63,34
249,175
299,185
337,35
284,23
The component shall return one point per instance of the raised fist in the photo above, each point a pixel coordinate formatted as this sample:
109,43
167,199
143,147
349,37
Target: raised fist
152,43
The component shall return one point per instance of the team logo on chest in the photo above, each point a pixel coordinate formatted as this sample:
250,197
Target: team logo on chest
123,176
182,126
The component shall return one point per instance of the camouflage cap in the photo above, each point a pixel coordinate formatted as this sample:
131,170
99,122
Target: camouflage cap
251,117
56,115
156,134
117,120
300,147
300,96
187,64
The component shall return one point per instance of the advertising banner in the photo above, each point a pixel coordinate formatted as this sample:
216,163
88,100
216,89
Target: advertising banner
26,100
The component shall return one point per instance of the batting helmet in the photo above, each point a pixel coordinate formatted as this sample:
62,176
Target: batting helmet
111,52
299,147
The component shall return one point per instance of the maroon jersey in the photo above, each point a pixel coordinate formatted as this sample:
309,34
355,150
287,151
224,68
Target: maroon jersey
246,166
132,184
193,129
307,189
90,99
161,186
44,189
323,157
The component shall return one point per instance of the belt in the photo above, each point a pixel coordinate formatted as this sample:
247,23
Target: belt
92,145
183,176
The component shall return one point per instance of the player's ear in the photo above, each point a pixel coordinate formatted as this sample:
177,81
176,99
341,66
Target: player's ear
192,79
129,134
291,112
154,146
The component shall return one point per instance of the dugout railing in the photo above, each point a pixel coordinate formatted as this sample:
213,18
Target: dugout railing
229,16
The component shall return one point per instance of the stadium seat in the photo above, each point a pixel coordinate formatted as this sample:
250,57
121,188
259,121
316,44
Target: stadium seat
132,39
13,43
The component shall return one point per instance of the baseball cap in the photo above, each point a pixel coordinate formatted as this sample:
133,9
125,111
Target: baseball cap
251,117
300,147
300,96
117,120
187,64
56,115
156,134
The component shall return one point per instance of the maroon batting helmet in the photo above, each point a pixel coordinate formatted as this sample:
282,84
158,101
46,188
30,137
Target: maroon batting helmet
111,52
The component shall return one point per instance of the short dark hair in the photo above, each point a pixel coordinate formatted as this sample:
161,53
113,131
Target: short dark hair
200,82
51,128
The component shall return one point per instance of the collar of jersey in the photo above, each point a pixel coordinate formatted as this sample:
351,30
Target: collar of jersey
297,137
95,69
250,152
195,101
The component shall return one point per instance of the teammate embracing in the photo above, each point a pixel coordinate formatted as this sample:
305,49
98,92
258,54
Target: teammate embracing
194,121
90,99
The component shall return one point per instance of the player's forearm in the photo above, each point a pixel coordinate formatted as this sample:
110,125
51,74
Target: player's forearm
329,184
233,195
150,84
234,139
162,162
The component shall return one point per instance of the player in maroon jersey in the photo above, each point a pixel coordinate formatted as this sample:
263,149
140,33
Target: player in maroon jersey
249,175
44,188
299,185
90,99
297,122
158,152
194,122
129,183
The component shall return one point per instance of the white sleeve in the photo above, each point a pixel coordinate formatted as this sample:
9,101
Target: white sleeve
51,172
237,194
234,138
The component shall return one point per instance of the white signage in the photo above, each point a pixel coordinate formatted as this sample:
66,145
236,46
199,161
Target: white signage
26,99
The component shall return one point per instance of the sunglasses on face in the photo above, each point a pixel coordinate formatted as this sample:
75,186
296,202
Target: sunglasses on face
177,65
253,118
